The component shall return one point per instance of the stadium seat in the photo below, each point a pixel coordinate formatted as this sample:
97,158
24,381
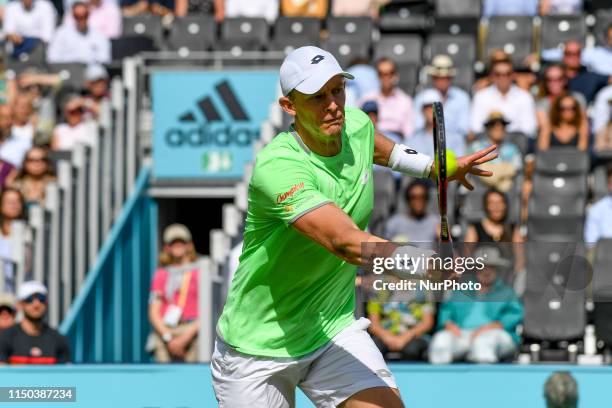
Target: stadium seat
456,26
243,34
560,185
598,5
556,219
144,25
513,34
521,141
384,191
405,17
461,48
600,182
562,161
351,28
346,50
602,291
554,314
409,74
192,33
458,8
556,30
603,21
72,74
293,32
403,49
36,59
128,46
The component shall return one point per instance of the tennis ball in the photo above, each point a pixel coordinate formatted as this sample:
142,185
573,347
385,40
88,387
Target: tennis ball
451,163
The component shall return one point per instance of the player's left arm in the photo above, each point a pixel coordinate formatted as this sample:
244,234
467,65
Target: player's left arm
412,163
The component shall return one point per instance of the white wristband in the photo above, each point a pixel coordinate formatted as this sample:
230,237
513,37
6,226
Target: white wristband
410,162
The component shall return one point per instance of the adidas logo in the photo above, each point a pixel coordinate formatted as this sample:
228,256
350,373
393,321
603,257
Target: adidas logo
214,130
211,113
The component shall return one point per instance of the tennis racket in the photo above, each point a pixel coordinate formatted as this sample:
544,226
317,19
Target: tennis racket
440,158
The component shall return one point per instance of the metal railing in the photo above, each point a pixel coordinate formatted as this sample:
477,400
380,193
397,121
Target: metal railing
105,322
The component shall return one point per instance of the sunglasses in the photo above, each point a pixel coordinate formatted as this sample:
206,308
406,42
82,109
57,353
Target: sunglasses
42,298
555,79
502,74
567,107
81,17
386,74
7,309
36,159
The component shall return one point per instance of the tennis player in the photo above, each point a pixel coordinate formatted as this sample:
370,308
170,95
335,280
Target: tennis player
289,317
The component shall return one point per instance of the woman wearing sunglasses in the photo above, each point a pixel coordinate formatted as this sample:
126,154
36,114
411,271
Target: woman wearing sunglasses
34,176
565,126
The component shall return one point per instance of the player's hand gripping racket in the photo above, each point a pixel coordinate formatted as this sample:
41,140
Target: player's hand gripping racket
440,163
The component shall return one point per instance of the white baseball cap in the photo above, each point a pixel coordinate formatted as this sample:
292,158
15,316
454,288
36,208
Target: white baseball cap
307,69
29,288
430,96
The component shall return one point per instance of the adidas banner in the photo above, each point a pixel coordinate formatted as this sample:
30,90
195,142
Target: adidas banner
205,122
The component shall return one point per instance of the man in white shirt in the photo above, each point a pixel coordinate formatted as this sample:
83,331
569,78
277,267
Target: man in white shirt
78,42
516,104
29,19
599,59
267,9
455,100
104,17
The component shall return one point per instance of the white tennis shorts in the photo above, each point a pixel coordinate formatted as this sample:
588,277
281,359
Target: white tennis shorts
347,364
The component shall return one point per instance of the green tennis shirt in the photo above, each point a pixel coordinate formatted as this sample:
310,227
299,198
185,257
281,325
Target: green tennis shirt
289,295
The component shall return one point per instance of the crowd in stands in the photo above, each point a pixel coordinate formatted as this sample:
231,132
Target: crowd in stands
558,97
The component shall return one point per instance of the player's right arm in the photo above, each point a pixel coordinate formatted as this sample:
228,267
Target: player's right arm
333,229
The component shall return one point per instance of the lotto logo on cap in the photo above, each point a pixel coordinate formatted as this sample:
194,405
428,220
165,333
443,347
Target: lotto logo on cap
307,69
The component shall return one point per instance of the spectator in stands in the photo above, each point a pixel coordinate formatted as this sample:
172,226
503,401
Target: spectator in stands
357,8
553,84
401,323
580,79
32,341
422,139
12,150
564,126
267,9
7,311
213,7
599,59
479,325
97,97
173,307
509,162
455,100
36,173
552,7
27,24
602,110
561,390
12,208
516,104
510,8
42,89
415,225
395,112
598,222
78,42
104,17
305,8
76,129
365,82
24,123
495,227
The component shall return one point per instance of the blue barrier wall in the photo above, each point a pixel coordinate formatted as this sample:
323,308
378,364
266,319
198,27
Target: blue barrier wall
189,386
108,321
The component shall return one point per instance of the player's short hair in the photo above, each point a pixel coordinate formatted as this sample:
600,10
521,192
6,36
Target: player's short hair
561,390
